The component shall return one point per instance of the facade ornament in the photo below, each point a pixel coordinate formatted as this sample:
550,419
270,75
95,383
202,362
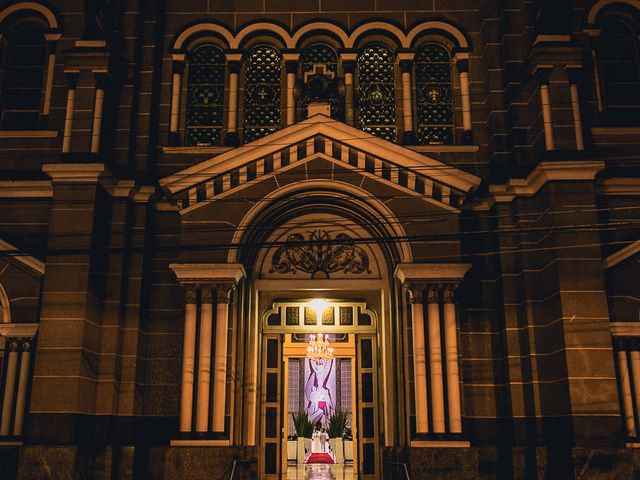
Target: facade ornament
223,292
415,290
433,294
319,254
191,294
14,345
448,293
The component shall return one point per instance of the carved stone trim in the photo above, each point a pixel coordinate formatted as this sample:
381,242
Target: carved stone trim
416,291
190,294
205,294
223,292
319,254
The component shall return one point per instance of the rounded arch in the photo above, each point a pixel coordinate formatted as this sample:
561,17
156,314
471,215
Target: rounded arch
438,26
319,29
592,16
193,31
343,196
5,311
388,29
267,28
36,7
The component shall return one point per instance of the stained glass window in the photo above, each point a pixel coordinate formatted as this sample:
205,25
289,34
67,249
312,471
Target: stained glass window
262,92
377,103
434,95
205,96
619,55
23,77
325,57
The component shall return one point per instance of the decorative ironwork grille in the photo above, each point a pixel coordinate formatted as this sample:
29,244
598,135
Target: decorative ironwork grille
23,77
377,103
434,92
205,96
262,92
321,54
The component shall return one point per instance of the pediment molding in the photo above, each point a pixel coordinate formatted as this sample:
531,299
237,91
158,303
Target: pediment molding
333,140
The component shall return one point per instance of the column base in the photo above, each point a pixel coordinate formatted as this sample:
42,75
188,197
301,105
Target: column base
232,139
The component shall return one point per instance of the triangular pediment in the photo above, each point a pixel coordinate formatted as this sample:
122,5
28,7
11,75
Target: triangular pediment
320,137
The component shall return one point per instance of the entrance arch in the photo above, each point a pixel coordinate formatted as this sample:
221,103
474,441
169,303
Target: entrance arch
320,239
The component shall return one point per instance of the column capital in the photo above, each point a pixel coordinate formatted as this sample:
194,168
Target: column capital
463,65
234,66
349,66
415,290
448,293
26,343
190,294
76,172
291,66
72,78
205,294
223,292
406,66
433,294
18,330
574,73
542,73
177,66
13,345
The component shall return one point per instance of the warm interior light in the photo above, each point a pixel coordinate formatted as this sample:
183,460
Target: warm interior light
319,305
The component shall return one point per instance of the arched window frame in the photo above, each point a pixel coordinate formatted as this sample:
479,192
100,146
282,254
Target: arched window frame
248,132
5,307
394,125
186,91
611,112
422,119
44,18
337,104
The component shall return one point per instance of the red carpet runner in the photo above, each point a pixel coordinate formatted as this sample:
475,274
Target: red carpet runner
319,458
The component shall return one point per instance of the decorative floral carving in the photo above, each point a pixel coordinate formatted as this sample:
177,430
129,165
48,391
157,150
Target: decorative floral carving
320,254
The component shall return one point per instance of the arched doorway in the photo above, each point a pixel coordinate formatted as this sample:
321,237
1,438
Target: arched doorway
320,244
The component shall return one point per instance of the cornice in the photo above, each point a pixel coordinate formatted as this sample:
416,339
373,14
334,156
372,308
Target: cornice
625,329
620,186
26,189
207,272
12,330
543,173
408,272
75,172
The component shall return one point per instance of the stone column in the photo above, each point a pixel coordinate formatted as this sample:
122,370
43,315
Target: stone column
9,387
232,139
220,366
625,387
596,80
204,360
574,81
408,136
23,381
634,357
176,90
188,360
349,67
292,70
416,299
48,84
97,113
72,79
463,71
451,356
435,361
543,74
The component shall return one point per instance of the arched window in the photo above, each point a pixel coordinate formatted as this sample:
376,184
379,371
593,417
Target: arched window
320,56
23,76
5,312
620,71
377,102
205,96
262,92
434,95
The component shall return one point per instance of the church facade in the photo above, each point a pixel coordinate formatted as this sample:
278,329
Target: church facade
455,183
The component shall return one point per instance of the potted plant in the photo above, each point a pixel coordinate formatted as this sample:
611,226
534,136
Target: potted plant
336,429
304,430
348,445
